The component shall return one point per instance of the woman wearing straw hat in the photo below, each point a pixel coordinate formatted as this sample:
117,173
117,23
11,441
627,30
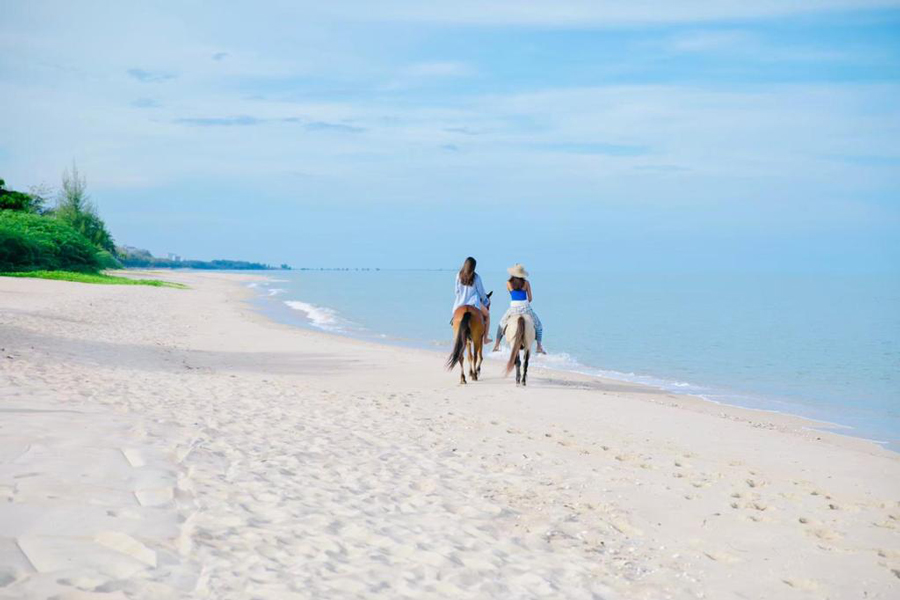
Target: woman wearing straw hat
520,303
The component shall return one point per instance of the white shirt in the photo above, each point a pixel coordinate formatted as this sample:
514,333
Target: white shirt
470,295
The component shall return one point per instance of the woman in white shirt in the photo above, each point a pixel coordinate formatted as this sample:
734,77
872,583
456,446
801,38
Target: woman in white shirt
470,292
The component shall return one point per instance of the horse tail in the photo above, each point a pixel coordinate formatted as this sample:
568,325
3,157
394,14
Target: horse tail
463,332
516,344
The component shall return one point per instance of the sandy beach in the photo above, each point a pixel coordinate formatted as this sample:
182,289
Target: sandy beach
167,443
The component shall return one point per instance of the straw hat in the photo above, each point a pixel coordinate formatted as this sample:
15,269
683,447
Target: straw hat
517,270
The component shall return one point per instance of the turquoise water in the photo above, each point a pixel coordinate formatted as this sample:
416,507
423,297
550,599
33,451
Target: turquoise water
825,347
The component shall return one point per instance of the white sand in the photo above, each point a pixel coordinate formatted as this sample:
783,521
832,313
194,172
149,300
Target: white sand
163,443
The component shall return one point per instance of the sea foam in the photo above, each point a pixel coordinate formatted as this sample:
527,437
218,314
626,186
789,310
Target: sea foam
563,361
319,316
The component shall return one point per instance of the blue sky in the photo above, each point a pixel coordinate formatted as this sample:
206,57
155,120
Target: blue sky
643,135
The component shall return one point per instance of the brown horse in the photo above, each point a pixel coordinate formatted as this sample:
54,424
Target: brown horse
468,332
520,333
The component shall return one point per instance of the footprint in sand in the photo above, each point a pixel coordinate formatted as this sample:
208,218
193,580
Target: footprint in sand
827,535
802,584
625,528
894,554
134,457
626,457
722,557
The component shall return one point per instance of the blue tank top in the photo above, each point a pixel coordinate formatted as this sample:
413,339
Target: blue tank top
518,295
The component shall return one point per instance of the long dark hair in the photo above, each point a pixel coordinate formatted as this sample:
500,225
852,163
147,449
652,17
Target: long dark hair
517,283
467,272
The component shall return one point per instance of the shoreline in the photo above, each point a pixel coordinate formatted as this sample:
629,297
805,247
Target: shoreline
256,300
164,442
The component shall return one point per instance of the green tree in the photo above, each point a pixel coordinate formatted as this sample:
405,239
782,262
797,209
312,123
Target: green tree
74,207
29,241
13,200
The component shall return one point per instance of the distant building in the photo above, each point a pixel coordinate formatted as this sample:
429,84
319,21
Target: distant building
173,257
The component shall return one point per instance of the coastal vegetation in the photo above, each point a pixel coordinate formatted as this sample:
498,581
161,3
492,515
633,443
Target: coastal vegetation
140,258
71,236
74,207
69,241
100,278
31,241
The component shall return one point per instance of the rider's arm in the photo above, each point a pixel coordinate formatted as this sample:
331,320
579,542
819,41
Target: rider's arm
479,288
528,289
458,291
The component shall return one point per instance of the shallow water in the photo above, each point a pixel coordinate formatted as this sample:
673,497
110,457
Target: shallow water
820,346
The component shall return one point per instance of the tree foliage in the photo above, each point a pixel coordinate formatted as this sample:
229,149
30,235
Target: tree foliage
19,201
74,207
29,241
140,258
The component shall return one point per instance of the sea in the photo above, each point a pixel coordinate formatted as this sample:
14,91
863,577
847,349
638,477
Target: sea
826,347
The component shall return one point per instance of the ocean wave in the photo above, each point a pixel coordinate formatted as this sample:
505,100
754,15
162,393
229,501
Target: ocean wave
563,361
319,316
275,291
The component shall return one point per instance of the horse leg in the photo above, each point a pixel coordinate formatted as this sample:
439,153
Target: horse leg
518,371
462,367
472,373
477,359
525,370
479,356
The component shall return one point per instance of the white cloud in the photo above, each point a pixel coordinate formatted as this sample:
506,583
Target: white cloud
528,142
76,100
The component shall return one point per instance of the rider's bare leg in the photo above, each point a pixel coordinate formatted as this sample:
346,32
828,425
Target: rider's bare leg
487,325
